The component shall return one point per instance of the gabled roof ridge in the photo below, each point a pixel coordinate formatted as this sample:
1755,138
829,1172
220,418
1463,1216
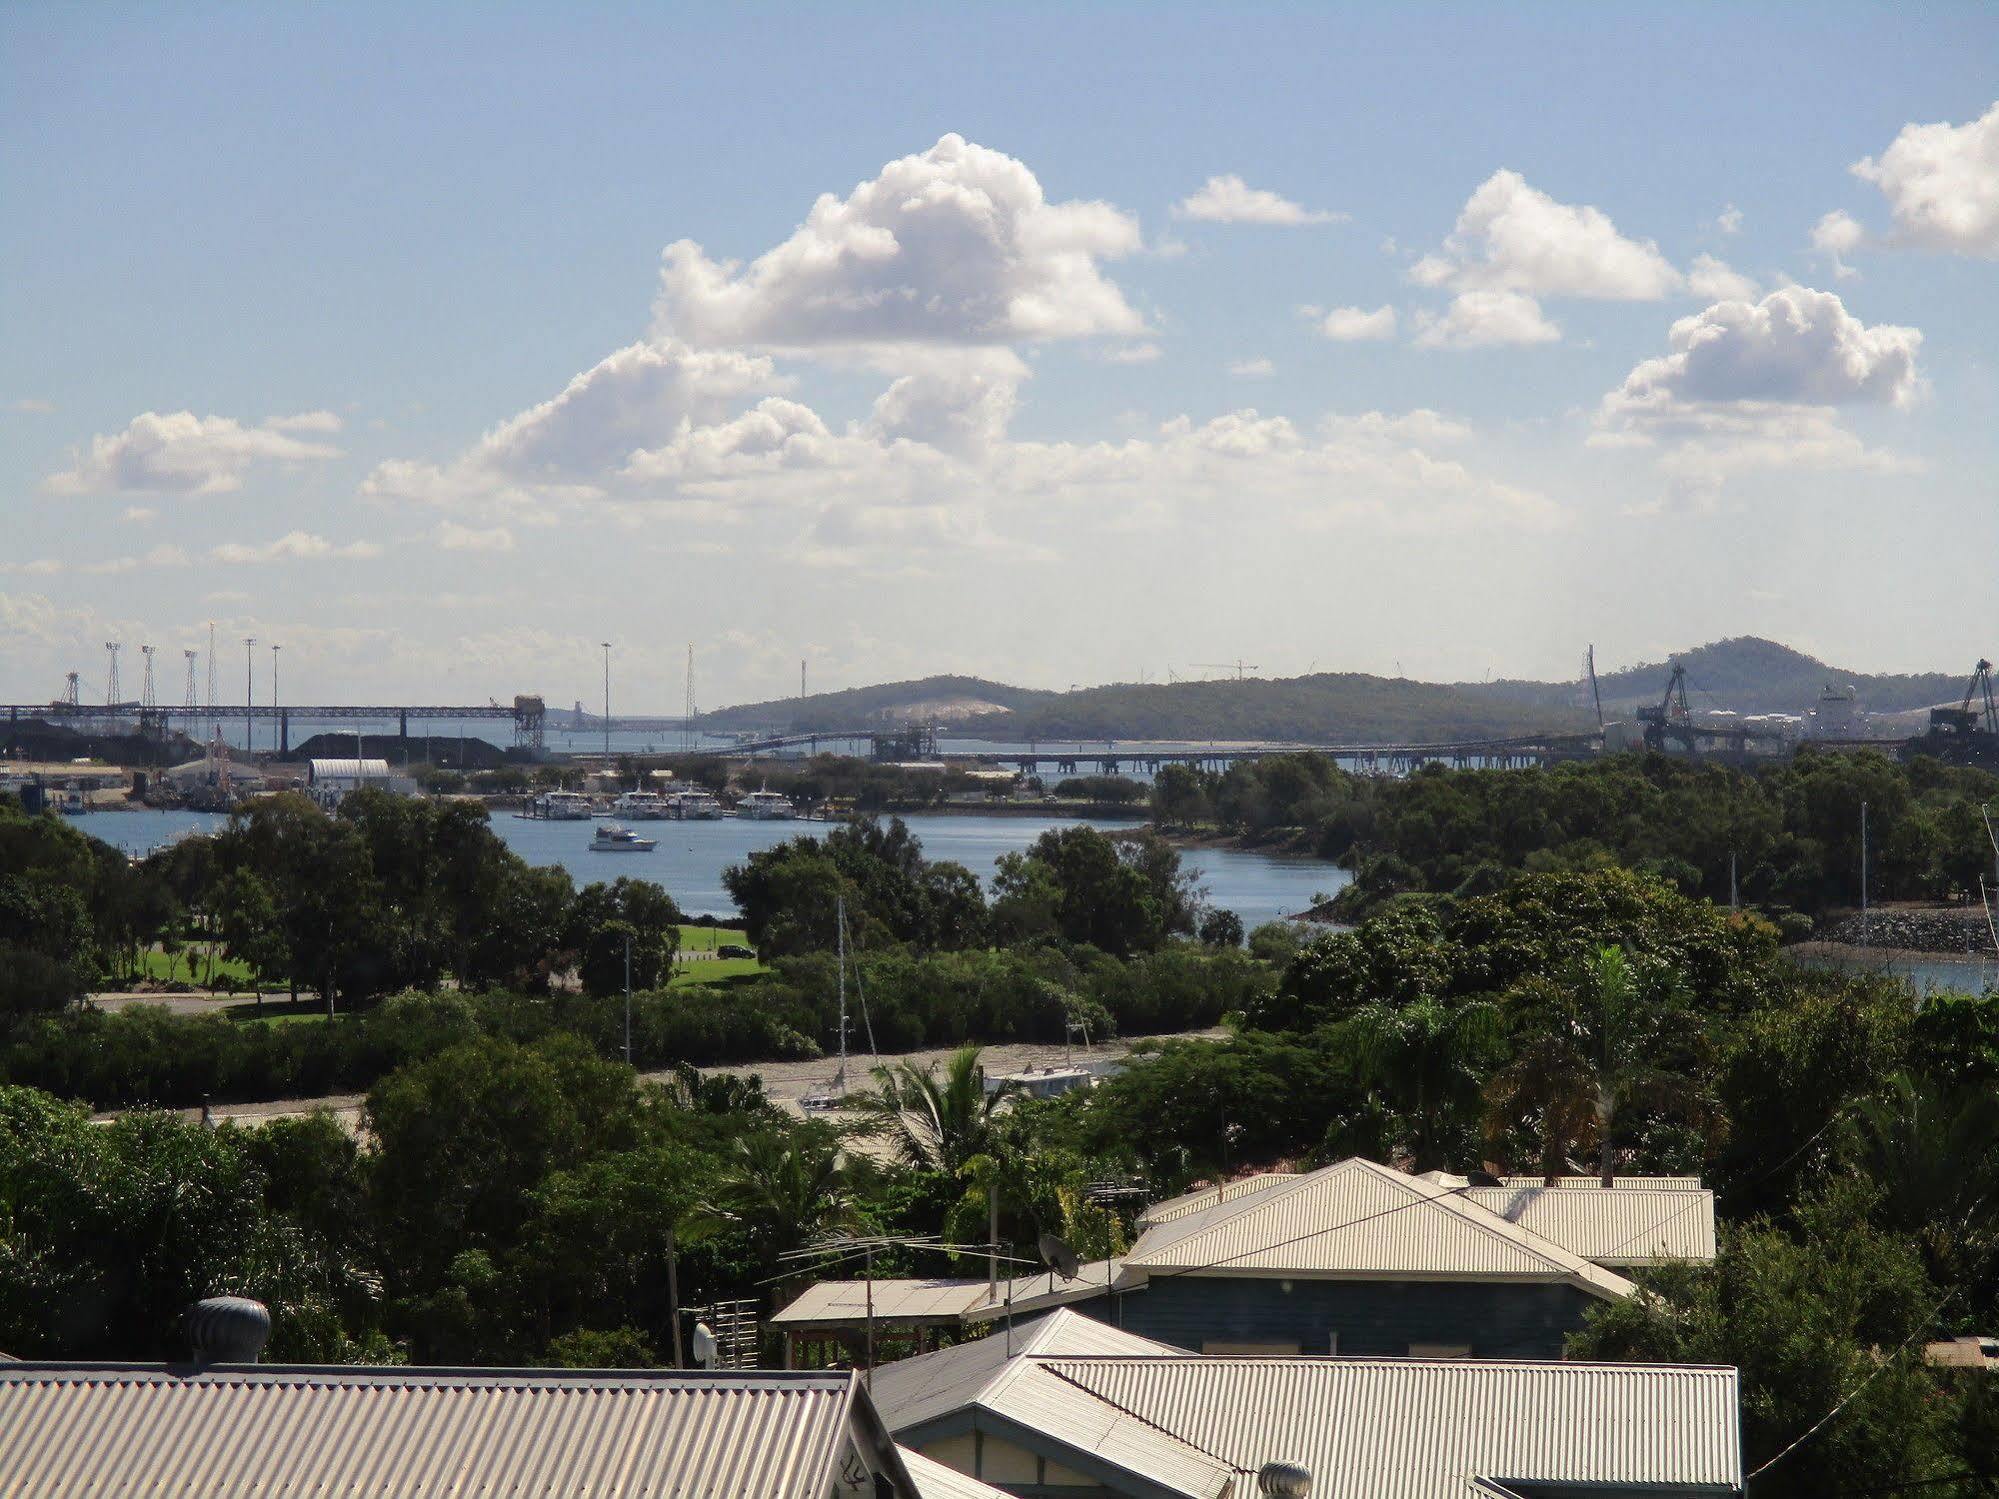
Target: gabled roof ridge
1145,1421
1392,1362
1420,1190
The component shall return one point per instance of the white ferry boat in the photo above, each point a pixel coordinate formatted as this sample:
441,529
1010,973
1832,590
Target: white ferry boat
642,806
612,839
563,806
766,806
696,806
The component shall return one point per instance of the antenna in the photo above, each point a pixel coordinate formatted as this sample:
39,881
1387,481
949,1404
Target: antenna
284,732
215,725
249,696
146,699
111,682
607,700
687,726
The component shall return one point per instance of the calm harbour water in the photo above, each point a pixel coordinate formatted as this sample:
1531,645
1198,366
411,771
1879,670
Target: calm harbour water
692,855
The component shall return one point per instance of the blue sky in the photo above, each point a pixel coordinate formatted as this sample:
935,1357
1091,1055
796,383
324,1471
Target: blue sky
285,293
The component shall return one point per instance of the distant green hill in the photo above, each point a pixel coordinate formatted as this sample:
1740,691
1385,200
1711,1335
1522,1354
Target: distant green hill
930,699
1745,675
1330,707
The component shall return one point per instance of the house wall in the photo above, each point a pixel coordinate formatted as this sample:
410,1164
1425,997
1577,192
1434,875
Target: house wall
1352,1317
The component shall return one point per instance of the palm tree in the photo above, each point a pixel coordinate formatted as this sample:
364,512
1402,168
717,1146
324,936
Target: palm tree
1932,1153
1424,1058
936,1123
780,1191
1589,1049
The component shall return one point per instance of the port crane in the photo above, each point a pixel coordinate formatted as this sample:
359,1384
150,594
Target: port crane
1967,733
1239,667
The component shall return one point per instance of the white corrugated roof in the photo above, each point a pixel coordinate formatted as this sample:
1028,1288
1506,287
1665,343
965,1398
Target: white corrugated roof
842,1303
1637,1220
935,1481
1208,1197
1430,1429
1359,1220
913,1390
1033,1394
96,1429
350,769
839,1302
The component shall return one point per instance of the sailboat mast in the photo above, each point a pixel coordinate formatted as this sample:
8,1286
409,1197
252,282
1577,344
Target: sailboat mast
840,938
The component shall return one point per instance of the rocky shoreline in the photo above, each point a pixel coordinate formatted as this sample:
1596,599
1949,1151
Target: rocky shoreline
1952,931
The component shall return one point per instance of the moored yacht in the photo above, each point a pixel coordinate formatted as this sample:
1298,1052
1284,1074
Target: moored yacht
612,839
696,806
766,806
642,806
563,806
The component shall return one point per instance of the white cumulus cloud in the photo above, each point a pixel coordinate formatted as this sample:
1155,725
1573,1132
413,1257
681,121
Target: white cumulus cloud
1714,280
294,546
1357,324
1942,185
1230,200
1760,385
956,245
1485,319
1252,369
1513,237
456,538
181,453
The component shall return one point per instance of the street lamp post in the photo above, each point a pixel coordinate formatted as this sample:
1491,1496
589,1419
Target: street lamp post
249,698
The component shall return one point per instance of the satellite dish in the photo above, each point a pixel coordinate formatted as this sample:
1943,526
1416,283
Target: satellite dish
1483,1178
1059,1257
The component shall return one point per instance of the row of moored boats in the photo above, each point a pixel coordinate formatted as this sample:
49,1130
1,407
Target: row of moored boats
654,806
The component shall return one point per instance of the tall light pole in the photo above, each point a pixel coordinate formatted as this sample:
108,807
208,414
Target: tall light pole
111,681
249,698
284,744
607,700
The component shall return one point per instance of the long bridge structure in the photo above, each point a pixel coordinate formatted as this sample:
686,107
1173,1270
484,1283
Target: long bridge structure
1150,758
525,714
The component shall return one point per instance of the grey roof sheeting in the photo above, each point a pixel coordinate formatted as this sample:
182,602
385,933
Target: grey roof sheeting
260,1430
1375,1428
913,1390
1431,1429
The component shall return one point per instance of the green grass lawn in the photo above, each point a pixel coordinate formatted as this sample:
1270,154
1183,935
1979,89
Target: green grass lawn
714,971
708,938
188,965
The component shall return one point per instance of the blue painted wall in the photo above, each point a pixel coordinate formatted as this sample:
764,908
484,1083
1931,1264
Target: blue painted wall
1369,1318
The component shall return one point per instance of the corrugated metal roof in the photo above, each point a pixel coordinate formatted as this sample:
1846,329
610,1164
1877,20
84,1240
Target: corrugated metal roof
1621,1226
99,1430
1208,1197
348,770
1035,1396
914,1390
839,1302
935,1481
1428,1429
1361,1220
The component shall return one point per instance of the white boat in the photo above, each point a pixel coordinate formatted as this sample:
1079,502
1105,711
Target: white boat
642,806
612,839
563,806
696,806
766,806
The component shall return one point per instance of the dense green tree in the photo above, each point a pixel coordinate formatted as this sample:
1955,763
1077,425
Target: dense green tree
1836,1312
936,1121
